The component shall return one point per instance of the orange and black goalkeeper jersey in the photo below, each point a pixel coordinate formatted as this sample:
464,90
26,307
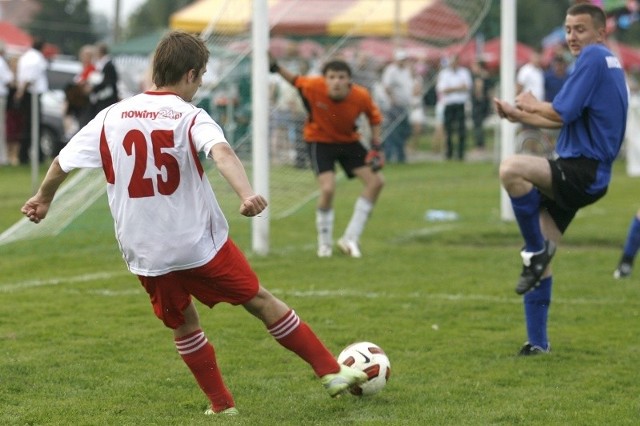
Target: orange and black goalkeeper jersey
332,121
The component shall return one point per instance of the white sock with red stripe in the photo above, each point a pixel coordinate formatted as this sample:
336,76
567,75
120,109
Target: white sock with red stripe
198,354
292,333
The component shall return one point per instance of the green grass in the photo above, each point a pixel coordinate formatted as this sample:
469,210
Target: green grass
79,343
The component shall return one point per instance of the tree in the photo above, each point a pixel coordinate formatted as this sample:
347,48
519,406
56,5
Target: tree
65,23
152,15
534,19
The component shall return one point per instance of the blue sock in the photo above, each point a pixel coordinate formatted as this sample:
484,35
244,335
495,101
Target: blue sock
527,211
536,312
633,239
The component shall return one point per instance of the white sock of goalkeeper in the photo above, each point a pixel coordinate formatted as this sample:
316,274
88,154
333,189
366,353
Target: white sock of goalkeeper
324,226
361,212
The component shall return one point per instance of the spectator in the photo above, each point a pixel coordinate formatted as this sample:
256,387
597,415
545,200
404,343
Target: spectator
530,77
6,78
14,121
364,69
87,57
104,82
31,84
439,135
287,119
554,77
480,101
454,83
398,81
432,99
79,110
417,117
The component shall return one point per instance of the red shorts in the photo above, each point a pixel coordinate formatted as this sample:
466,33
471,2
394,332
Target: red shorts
226,278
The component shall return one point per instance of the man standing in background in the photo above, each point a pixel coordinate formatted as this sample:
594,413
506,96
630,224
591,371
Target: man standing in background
530,77
32,83
454,83
104,91
6,77
398,81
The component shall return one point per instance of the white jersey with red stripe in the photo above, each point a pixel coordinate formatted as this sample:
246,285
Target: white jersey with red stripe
166,215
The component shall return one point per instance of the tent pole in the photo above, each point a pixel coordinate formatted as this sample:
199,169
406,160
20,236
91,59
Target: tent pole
396,25
116,23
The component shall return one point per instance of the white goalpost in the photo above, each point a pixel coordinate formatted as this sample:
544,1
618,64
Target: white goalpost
260,122
507,91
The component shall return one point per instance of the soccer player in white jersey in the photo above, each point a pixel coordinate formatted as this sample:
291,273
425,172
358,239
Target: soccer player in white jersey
168,224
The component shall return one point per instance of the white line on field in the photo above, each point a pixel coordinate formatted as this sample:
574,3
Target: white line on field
315,293
7,288
439,296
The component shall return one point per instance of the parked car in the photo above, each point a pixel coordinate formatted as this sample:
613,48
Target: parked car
52,133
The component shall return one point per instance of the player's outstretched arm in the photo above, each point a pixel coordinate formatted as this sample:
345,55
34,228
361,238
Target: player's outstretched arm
37,207
233,171
274,66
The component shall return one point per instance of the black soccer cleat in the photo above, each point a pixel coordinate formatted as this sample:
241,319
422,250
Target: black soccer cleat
533,267
624,268
528,350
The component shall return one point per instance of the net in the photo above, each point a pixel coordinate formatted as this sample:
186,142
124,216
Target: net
304,34
76,195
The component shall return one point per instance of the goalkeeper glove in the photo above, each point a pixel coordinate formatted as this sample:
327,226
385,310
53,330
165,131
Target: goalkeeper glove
273,64
374,157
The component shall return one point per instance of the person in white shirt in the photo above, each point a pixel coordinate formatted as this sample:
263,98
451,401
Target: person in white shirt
454,83
6,78
398,81
32,83
530,77
169,226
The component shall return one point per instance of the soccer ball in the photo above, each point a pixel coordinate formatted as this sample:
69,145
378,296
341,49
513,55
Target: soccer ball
371,359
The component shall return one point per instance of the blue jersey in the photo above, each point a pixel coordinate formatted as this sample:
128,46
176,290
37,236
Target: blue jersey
593,105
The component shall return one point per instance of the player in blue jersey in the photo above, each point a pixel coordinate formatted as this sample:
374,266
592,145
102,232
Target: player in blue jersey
630,249
591,113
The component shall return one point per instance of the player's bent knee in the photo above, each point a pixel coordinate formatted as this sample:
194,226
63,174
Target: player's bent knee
266,307
508,171
259,302
378,181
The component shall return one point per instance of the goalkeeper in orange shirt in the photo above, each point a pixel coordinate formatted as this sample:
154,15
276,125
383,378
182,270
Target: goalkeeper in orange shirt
333,104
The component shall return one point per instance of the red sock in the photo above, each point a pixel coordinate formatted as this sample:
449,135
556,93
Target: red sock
198,354
298,337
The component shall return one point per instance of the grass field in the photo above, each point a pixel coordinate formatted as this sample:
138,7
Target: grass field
80,345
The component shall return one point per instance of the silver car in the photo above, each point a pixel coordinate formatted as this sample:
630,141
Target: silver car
52,133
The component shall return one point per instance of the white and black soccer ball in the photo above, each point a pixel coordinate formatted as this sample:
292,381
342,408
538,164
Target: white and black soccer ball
371,359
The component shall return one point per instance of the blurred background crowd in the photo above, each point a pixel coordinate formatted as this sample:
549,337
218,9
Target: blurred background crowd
410,62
